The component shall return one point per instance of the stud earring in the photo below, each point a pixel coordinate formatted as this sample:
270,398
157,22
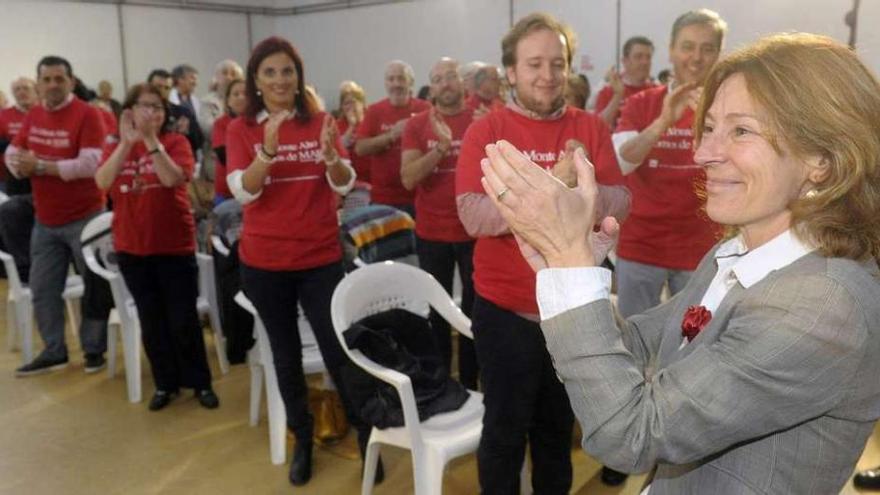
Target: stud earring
812,193
259,93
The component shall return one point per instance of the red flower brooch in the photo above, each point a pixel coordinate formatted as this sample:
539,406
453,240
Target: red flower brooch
695,319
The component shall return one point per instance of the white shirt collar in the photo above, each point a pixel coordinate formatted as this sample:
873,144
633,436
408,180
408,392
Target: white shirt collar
756,264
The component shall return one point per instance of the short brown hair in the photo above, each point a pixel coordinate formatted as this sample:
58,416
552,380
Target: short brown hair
527,25
820,101
636,40
136,91
700,16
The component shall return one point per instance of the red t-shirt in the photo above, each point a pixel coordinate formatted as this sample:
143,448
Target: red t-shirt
111,125
385,166
501,275
218,139
606,93
435,195
667,225
149,218
474,101
59,135
292,225
361,164
11,120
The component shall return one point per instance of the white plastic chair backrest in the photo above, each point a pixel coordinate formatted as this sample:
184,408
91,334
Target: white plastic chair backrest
15,286
97,244
219,246
387,285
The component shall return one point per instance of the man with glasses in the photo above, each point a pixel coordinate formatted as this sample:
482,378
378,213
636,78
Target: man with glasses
430,143
59,148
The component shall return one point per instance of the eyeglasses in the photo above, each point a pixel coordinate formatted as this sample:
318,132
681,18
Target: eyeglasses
448,77
151,106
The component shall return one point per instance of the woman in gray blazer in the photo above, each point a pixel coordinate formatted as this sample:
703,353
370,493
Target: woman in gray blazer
761,376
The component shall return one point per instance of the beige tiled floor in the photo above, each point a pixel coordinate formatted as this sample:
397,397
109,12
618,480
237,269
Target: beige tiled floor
71,433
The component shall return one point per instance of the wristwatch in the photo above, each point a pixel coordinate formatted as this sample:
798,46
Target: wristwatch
40,169
158,149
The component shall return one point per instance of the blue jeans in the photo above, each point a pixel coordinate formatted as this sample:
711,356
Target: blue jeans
52,250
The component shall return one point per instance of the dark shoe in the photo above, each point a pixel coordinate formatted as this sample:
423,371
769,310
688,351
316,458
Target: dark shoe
40,365
161,399
95,363
611,477
207,398
868,479
301,465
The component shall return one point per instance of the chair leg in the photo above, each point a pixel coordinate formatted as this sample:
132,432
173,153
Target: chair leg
428,470
72,320
113,332
132,351
25,316
219,340
277,417
11,326
256,393
371,461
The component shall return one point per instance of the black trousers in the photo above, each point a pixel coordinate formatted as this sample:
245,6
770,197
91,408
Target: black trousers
165,289
524,400
276,294
439,259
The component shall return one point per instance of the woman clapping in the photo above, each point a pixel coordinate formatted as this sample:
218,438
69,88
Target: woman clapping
154,235
286,163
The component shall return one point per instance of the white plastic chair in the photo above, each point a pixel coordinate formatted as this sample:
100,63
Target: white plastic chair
262,367
97,244
207,306
20,308
381,286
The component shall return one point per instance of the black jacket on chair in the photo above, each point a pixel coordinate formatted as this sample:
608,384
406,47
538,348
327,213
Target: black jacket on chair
402,341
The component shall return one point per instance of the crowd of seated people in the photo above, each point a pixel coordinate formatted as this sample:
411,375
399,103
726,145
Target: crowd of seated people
506,171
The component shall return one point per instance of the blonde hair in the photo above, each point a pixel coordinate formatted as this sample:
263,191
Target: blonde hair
353,89
820,101
529,24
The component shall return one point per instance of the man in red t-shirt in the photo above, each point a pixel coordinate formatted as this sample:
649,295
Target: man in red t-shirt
431,143
636,76
486,96
378,136
59,149
667,232
524,400
17,213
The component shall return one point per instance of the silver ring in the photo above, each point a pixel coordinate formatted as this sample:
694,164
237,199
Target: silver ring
502,193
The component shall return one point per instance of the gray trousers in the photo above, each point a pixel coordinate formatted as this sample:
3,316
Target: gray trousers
52,250
639,285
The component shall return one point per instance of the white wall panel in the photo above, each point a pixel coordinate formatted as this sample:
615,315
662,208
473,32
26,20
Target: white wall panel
86,35
166,37
357,43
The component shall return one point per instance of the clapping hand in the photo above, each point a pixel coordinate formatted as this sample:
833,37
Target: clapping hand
270,133
553,223
329,136
128,131
441,130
